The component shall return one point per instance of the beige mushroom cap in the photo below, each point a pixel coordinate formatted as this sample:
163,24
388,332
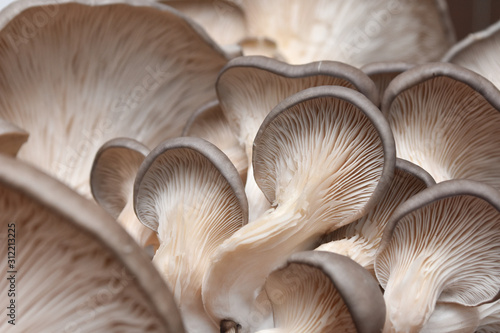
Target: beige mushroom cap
74,267
75,74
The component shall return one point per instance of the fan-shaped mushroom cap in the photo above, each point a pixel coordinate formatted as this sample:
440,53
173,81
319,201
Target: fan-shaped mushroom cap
223,20
209,123
11,138
75,74
324,292
250,87
323,157
452,318
382,73
74,268
190,193
446,119
443,244
489,318
479,52
112,184
361,239
355,32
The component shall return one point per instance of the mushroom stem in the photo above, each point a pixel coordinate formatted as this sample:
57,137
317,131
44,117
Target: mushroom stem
257,201
410,298
242,286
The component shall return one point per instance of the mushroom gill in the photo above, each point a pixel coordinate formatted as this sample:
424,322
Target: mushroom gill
71,267
76,74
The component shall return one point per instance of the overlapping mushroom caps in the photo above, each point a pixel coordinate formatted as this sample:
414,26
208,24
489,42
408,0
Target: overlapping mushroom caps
322,157
112,183
75,74
446,119
250,87
382,73
356,32
223,20
360,240
324,292
189,192
71,267
479,52
11,138
209,123
443,244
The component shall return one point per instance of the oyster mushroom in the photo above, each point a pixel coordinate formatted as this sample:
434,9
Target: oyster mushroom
223,20
209,123
446,119
441,245
112,183
355,32
322,157
75,74
249,87
324,292
11,138
479,53
382,73
189,192
361,239
71,267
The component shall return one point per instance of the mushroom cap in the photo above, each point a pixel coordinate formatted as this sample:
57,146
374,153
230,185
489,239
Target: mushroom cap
189,192
209,123
355,32
249,87
223,20
449,234
360,240
325,292
382,73
446,119
318,128
113,173
478,52
75,74
112,184
11,138
75,267
323,157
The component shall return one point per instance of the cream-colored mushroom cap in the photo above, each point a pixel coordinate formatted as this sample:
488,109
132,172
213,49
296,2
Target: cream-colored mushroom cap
479,53
112,184
442,244
71,266
209,123
360,240
75,74
446,119
11,138
223,20
322,157
324,292
356,32
189,192
250,87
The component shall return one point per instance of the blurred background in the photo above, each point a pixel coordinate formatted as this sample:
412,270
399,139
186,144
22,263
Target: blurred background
473,15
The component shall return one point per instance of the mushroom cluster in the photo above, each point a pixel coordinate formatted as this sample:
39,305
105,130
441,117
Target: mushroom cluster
244,166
